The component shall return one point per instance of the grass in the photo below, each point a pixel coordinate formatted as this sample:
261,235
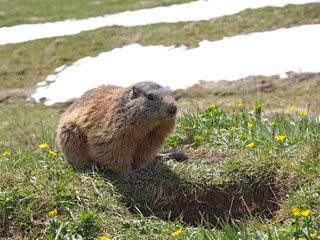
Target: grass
241,182
276,94
23,65
15,12
21,122
263,182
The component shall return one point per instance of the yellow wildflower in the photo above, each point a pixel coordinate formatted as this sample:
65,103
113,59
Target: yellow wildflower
53,153
296,211
105,237
292,107
250,125
212,105
42,146
5,153
281,138
301,239
250,145
198,116
287,112
306,213
53,213
303,113
313,235
240,105
177,233
231,128
272,123
206,131
178,125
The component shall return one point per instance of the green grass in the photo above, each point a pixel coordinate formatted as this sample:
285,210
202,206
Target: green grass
22,121
23,65
228,189
277,95
264,182
16,12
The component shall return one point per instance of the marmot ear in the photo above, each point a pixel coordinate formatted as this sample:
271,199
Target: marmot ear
135,91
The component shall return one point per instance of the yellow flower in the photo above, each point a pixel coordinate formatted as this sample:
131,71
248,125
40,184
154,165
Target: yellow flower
287,112
239,233
272,123
296,211
303,113
313,235
198,116
5,153
281,138
306,213
240,105
301,239
53,213
205,130
178,125
105,237
177,233
212,105
250,145
53,153
42,146
231,128
292,107
250,125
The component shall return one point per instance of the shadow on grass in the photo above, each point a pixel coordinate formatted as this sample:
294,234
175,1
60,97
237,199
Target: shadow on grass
168,196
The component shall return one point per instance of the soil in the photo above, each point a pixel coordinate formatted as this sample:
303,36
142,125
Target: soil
226,202
11,95
261,84
272,92
208,156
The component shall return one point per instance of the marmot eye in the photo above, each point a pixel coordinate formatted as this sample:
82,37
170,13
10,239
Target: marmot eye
150,97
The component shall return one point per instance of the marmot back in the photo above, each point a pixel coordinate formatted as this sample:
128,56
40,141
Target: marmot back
120,128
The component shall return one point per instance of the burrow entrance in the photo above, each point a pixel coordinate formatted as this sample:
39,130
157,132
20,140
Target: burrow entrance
168,197
221,202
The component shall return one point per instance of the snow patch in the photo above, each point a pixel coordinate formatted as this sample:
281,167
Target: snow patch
265,53
193,11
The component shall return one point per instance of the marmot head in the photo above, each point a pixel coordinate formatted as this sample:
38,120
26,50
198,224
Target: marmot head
155,102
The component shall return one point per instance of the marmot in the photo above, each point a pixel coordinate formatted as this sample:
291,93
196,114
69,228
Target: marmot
120,128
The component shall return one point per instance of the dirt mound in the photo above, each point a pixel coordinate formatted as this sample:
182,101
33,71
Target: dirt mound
168,196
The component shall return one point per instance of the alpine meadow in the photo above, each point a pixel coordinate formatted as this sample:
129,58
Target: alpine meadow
253,144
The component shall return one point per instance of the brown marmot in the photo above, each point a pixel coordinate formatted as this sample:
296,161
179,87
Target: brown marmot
120,128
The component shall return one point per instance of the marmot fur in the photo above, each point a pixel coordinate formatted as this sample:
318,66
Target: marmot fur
120,128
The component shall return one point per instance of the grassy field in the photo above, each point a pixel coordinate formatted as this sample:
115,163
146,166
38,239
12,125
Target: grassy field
253,144
245,175
16,12
23,65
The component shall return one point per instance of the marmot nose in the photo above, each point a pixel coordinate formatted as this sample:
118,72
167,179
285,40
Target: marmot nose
172,109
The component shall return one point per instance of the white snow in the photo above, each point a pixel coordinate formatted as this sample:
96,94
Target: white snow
59,69
194,11
40,84
51,78
267,53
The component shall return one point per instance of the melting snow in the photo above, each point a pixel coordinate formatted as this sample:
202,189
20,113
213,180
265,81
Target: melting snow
194,11
266,53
